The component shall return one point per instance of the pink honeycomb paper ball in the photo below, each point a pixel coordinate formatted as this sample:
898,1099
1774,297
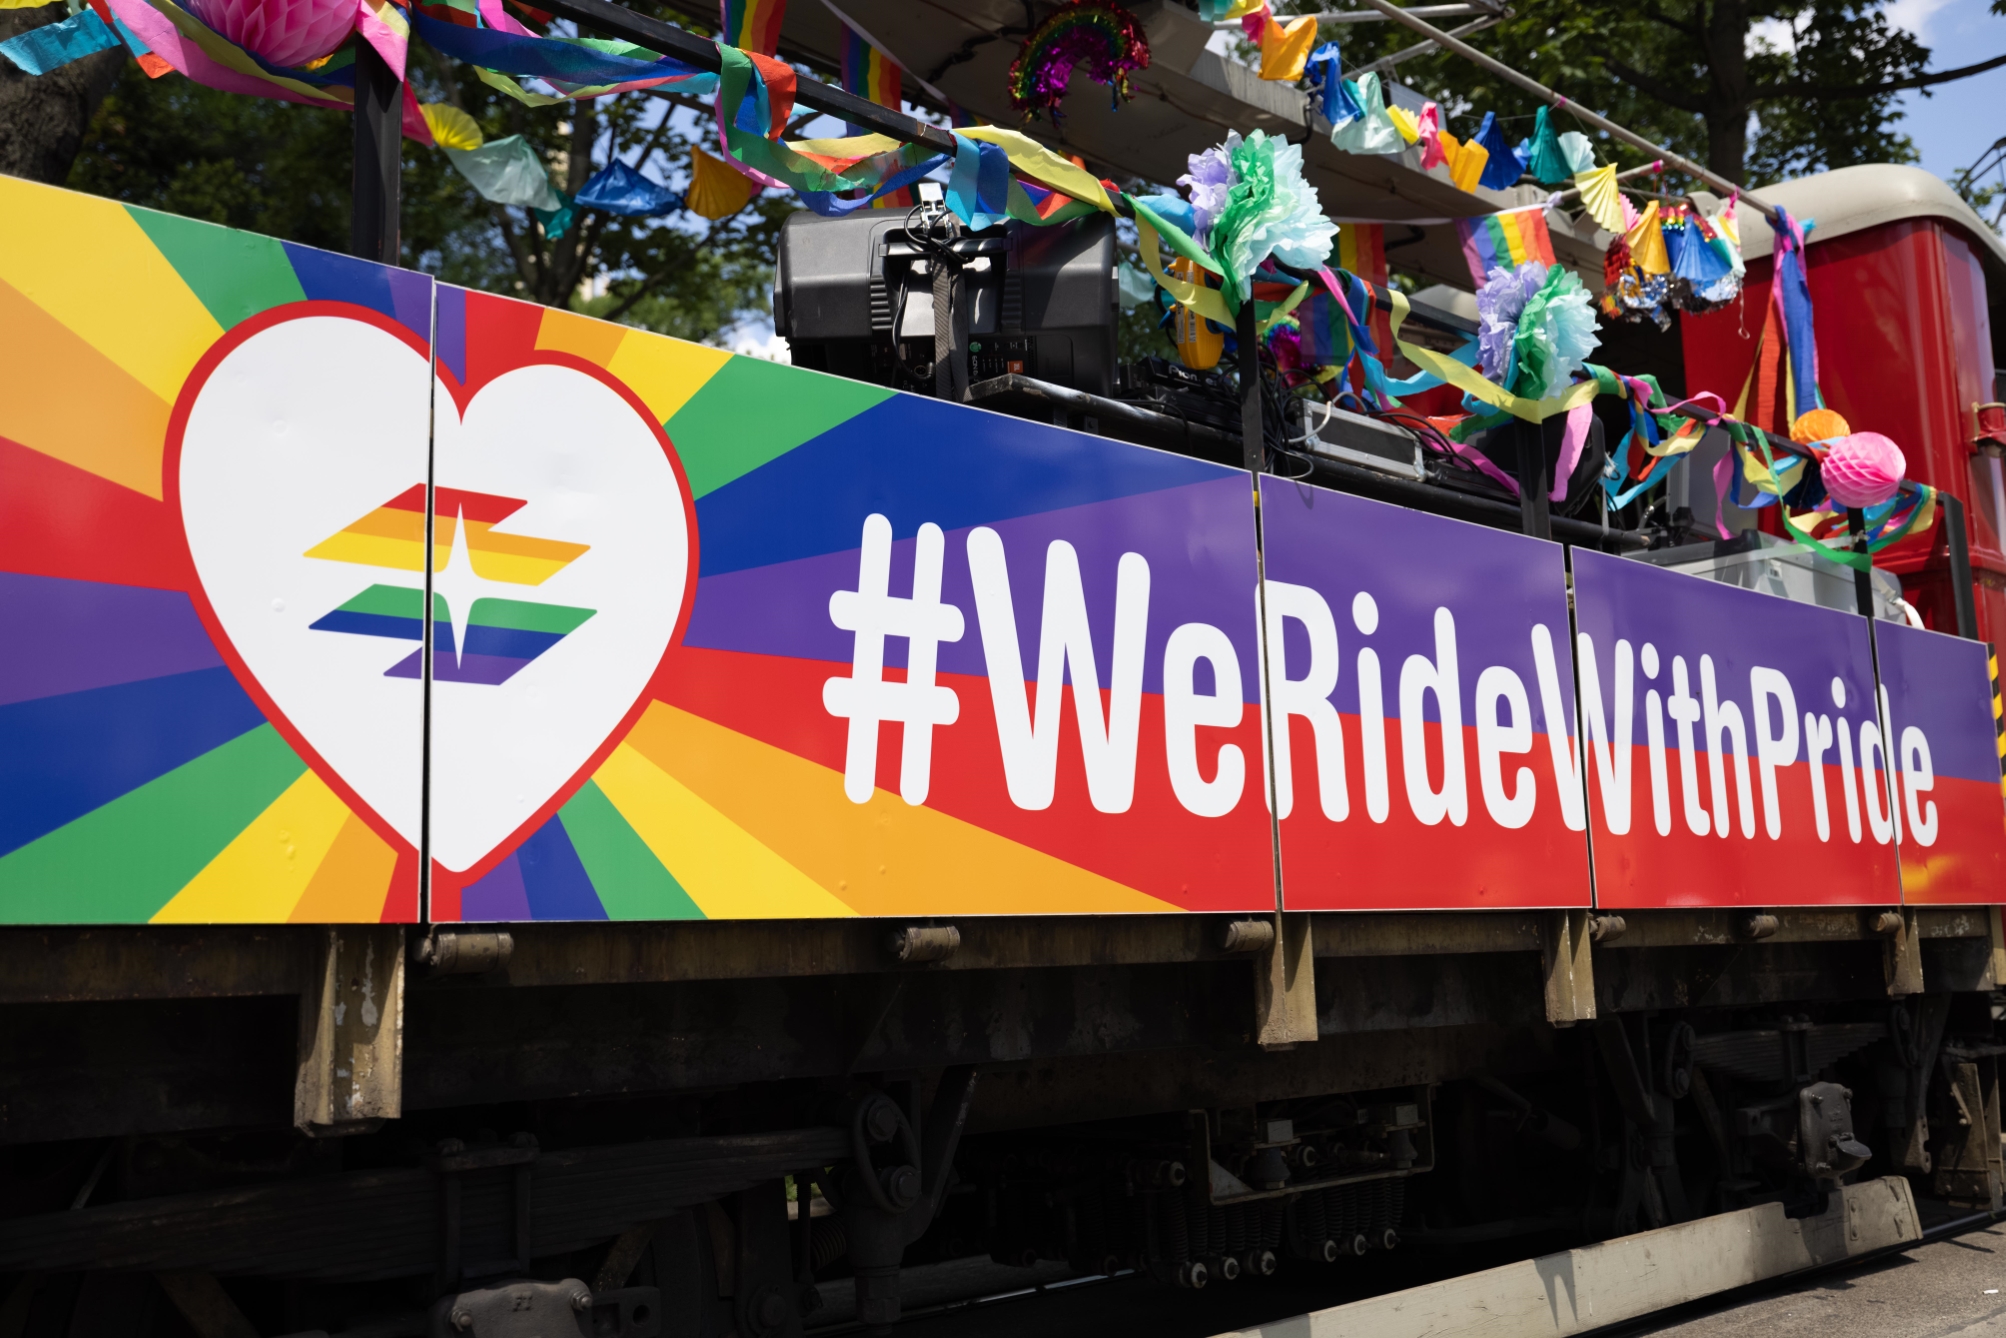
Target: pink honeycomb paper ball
1863,469
284,32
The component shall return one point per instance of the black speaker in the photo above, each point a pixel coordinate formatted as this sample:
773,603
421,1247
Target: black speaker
854,296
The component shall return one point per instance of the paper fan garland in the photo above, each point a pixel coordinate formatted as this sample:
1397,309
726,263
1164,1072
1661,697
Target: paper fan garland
1503,167
1578,151
1096,33
717,189
1601,199
1547,161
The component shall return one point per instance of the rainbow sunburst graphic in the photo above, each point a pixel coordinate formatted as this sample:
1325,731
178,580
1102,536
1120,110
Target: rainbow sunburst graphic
501,635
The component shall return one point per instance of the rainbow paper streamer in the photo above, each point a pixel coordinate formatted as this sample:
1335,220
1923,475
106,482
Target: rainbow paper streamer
1504,241
752,25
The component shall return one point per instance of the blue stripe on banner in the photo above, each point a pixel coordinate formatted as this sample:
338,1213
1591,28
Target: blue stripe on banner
554,880
979,468
61,757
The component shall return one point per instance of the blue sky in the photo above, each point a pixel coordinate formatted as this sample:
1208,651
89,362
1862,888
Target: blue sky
1952,127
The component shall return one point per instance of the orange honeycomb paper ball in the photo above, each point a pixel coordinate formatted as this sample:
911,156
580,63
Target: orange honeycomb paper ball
1818,425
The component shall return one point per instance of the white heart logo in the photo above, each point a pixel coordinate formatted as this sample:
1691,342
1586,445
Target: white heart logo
562,567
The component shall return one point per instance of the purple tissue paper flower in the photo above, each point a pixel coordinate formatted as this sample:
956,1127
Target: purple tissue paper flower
1211,176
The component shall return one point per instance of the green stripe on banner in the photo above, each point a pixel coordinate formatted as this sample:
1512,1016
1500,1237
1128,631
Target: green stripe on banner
234,274
395,601
630,881
521,616
120,863
754,411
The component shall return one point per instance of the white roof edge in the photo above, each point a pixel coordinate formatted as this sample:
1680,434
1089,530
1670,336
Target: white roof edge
1852,199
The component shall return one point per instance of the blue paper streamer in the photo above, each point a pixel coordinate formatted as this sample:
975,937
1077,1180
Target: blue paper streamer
55,45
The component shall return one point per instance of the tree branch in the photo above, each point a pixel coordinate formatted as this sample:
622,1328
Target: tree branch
1663,92
1842,93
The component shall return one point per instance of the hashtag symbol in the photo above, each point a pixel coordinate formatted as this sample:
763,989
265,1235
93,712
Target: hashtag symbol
865,698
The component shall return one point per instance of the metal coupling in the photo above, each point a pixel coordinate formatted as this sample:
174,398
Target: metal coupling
923,943
1247,936
464,953
1755,925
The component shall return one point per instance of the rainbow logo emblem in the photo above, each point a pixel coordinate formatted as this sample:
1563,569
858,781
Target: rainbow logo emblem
502,635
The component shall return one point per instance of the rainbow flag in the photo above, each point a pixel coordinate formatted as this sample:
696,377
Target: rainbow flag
1504,241
1361,249
752,25
870,73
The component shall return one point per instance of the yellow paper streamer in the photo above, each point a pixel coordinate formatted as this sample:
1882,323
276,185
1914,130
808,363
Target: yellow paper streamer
1472,382
1285,50
1207,302
451,128
1600,197
1036,161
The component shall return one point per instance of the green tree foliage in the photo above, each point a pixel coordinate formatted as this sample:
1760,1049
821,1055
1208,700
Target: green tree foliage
284,170
1715,80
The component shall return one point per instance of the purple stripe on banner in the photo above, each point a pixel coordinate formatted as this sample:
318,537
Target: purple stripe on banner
1496,586
71,636
1739,631
450,331
499,896
475,668
1197,540
1939,685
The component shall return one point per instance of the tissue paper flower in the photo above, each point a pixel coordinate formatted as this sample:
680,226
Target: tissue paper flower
1270,211
1499,303
1536,328
284,32
1210,177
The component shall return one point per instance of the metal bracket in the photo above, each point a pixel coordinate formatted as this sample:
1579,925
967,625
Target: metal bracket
1903,961
1568,964
351,1044
1285,986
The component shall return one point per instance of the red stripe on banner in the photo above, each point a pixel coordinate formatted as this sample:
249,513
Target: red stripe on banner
1200,864
1404,864
58,520
1965,863
1643,869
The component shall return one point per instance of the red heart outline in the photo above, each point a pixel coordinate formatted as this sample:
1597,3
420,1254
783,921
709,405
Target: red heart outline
446,886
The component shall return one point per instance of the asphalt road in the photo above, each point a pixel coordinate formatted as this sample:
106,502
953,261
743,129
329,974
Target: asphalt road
1949,1288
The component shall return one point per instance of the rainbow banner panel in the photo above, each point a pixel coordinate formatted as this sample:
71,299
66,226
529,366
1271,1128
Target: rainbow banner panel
713,637
854,653
1419,705
1732,746
173,442
1936,719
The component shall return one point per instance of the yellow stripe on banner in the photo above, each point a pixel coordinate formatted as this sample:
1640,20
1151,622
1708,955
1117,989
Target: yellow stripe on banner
1204,300
261,875
1514,238
884,856
352,882
1473,382
122,297
568,332
725,869
665,372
